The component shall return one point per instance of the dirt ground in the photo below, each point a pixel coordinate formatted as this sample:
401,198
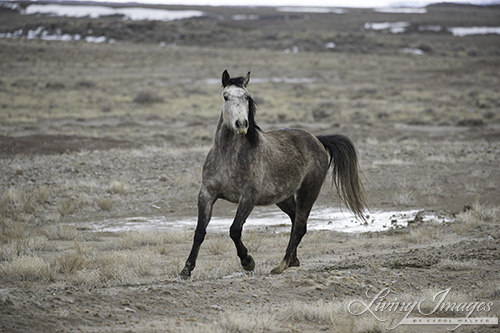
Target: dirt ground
91,132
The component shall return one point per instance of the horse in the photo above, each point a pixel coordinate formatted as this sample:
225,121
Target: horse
286,167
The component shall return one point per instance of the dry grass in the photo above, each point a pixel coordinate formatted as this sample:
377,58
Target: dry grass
23,246
457,265
475,215
334,313
25,268
218,244
105,203
247,322
61,232
118,186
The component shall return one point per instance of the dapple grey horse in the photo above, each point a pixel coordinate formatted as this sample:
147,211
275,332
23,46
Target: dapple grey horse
286,167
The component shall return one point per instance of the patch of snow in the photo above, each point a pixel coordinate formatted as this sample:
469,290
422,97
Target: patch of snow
401,10
467,31
392,27
129,13
320,10
330,45
410,50
245,17
435,28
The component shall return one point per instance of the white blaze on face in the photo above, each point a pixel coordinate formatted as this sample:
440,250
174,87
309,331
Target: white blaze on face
235,108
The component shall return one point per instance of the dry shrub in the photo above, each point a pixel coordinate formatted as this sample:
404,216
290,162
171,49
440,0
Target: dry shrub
25,268
69,263
16,204
422,234
126,267
68,206
89,278
23,246
473,216
105,203
118,186
61,232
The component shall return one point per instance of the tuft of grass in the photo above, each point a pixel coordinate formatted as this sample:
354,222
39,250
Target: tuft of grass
332,313
473,216
135,239
217,245
247,322
457,265
105,203
61,232
68,206
403,198
23,246
16,204
25,268
69,263
118,186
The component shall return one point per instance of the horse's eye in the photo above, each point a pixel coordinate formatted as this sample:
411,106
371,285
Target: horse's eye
226,98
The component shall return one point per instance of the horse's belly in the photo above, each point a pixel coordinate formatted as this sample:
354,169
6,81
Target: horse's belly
273,193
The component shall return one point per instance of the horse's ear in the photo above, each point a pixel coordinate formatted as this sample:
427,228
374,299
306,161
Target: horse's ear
246,80
225,78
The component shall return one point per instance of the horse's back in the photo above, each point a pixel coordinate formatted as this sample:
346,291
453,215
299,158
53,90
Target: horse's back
297,144
289,157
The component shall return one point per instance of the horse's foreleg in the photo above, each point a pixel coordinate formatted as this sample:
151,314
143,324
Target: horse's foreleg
244,209
205,204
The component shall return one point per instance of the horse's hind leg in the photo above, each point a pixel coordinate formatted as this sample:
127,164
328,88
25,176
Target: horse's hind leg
289,207
306,196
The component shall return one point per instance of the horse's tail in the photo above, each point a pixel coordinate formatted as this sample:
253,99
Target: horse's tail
345,172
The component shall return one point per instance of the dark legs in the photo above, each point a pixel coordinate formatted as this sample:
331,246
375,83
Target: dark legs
245,207
205,204
289,207
306,196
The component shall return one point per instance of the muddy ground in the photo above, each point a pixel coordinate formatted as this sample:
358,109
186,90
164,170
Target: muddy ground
90,132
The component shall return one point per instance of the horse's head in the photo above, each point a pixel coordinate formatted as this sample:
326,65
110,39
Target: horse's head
237,105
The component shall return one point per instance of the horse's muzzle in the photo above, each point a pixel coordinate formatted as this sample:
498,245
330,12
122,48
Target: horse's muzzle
241,131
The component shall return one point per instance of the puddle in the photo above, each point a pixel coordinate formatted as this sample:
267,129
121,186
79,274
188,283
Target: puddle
268,219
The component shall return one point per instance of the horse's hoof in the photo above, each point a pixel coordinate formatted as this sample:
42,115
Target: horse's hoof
250,265
294,262
185,273
280,269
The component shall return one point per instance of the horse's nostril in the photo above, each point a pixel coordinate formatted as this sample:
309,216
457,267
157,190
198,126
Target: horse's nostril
240,124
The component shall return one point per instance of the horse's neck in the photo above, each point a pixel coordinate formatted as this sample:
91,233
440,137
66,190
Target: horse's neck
227,142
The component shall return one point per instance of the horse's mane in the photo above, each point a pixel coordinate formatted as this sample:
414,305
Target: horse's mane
253,128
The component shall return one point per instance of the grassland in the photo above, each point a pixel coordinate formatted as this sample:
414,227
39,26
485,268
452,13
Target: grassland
90,132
